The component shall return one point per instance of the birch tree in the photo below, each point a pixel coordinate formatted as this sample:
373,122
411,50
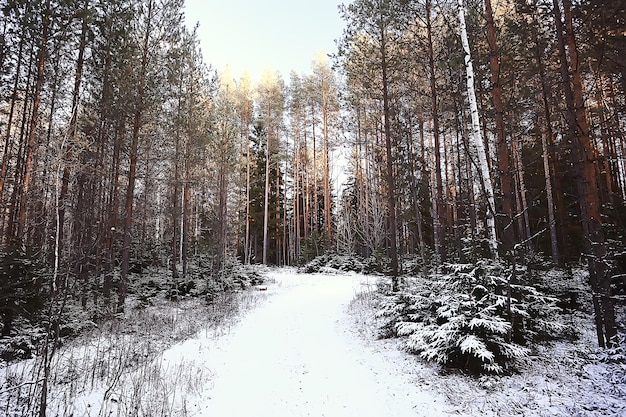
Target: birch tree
476,136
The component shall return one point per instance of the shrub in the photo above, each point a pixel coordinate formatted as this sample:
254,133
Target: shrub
377,263
472,318
616,353
22,290
333,261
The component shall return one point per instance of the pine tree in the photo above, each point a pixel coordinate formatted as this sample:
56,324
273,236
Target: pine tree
373,28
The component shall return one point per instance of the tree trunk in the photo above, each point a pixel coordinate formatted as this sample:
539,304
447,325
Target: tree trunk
266,202
547,138
437,201
327,211
316,208
296,191
32,131
415,193
523,215
508,235
73,126
184,233
391,187
477,139
587,184
176,208
132,172
8,143
246,250
113,207
551,218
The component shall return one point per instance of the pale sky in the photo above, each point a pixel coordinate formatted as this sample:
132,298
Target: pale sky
252,36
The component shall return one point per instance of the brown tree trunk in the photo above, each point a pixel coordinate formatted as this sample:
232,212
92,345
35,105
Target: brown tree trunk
248,165
32,132
176,208
587,184
184,233
552,183
316,208
508,232
296,195
267,191
8,143
391,187
439,217
132,172
327,211
73,126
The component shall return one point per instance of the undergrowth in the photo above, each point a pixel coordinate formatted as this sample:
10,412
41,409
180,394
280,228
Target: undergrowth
87,347
120,362
481,318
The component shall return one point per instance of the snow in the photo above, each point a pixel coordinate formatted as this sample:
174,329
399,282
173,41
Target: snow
295,356
303,345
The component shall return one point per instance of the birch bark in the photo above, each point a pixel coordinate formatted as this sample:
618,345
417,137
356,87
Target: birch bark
476,137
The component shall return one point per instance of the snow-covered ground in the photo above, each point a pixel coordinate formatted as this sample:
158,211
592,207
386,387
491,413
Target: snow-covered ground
306,347
298,355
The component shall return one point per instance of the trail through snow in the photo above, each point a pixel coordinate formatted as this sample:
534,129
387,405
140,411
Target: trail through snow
297,355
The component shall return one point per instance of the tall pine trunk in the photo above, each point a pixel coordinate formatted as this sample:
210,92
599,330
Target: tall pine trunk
327,210
266,200
587,185
132,172
547,140
437,201
8,143
391,186
508,235
72,128
33,124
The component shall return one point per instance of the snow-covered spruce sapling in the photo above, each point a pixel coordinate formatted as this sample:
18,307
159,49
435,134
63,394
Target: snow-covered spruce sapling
22,291
473,318
409,307
334,261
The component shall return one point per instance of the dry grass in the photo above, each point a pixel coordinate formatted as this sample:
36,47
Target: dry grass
117,368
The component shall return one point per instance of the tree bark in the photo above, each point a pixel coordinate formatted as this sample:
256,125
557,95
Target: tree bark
477,139
547,139
508,235
8,143
391,186
132,172
587,184
439,218
266,201
32,131
73,125
327,210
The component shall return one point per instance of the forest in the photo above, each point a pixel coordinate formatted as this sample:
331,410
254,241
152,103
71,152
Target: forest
441,133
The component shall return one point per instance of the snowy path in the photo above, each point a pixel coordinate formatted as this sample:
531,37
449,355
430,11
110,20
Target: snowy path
295,355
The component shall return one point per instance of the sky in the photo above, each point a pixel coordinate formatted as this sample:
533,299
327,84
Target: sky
248,35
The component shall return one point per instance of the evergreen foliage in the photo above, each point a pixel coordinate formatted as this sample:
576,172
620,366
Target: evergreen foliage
22,290
331,261
474,317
